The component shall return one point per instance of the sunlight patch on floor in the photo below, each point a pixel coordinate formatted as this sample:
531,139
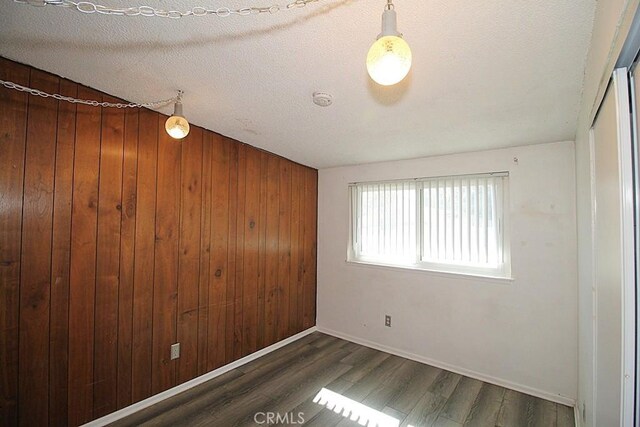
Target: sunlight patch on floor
355,411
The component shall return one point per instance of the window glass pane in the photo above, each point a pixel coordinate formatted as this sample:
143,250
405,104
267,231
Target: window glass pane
465,230
387,222
448,221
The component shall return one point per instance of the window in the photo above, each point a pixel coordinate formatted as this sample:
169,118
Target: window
451,224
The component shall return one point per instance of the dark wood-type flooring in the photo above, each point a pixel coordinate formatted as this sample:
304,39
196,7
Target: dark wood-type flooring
287,380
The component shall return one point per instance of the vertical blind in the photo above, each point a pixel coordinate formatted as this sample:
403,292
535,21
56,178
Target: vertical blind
386,221
443,220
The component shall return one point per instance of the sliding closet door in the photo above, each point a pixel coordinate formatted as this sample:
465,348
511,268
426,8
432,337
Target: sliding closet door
614,300
635,94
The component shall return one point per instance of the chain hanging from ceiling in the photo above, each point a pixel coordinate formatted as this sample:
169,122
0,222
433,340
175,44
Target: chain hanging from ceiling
176,126
93,103
149,11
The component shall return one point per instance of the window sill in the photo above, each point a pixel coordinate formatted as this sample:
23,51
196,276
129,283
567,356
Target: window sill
447,274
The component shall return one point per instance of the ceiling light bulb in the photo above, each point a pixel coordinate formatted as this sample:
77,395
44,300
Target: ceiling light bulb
389,58
177,126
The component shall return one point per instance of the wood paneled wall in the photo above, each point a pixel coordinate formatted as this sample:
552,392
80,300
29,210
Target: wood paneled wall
117,241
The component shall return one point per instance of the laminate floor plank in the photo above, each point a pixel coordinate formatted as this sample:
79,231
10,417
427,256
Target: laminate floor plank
292,390
445,383
426,410
400,416
486,407
324,340
461,400
375,378
521,410
445,422
351,346
285,382
361,370
378,376
331,415
417,386
238,411
325,370
290,349
309,408
566,416
359,355
545,413
394,387
308,386
325,418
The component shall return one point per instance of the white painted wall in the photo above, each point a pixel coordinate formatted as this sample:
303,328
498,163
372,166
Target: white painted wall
521,333
611,26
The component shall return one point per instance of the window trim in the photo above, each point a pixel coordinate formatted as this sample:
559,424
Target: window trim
436,273
503,272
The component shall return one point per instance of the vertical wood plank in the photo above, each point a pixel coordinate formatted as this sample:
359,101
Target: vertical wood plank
144,255
189,257
60,258
262,255
166,260
271,252
231,260
108,261
220,303
35,275
13,125
251,226
240,237
127,258
284,249
84,216
310,247
300,298
205,254
295,273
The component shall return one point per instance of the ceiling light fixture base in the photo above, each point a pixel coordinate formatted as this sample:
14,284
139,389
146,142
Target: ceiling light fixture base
389,24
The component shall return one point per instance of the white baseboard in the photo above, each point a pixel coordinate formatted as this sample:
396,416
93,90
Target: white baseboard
462,371
114,416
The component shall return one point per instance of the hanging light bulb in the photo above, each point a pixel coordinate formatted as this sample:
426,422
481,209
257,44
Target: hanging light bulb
389,58
177,126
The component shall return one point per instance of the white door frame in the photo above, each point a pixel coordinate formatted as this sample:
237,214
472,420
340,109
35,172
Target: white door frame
621,88
594,293
636,165
625,159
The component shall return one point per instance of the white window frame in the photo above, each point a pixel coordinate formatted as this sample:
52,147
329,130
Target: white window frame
503,271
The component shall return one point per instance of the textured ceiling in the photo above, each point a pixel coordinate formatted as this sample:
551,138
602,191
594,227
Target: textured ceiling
486,74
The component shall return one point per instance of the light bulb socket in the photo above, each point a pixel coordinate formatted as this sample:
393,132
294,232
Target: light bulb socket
389,24
177,109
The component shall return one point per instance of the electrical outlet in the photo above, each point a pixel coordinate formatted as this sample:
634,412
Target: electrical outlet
387,320
175,351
